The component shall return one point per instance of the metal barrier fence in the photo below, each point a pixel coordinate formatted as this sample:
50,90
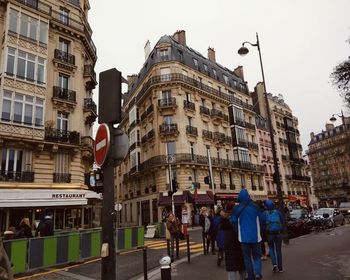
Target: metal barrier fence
39,252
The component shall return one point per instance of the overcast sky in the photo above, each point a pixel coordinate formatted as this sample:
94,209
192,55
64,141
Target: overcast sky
301,42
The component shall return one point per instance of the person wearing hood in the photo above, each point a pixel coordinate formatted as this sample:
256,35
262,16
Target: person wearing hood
45,227
274,229
249,220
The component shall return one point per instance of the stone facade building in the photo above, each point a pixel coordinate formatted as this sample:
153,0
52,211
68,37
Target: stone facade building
294,179
181,107
330,166
47,112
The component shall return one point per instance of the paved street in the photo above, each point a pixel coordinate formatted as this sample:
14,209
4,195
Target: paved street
323,255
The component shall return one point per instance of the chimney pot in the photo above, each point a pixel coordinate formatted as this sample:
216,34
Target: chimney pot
211,54
180,37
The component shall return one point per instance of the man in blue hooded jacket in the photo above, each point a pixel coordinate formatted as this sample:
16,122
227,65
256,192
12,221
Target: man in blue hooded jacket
249,219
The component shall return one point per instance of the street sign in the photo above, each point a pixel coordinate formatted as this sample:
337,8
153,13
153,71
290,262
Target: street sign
118,206
102,143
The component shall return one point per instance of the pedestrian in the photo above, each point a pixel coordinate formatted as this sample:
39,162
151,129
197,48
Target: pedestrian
210,238
45,226
24,229
174,227
234,261
248,218
204,222
5,265
216,233
263,242
274,230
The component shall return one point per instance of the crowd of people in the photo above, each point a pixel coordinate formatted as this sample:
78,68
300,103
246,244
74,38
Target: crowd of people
238,234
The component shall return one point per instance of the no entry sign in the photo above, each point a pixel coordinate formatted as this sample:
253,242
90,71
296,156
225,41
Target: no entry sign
102,142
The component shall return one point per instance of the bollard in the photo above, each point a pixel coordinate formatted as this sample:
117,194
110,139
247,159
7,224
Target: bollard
188,248
144,250
168,247
177,248
165,269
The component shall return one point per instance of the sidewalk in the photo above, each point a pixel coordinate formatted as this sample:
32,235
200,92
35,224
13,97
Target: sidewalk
320,256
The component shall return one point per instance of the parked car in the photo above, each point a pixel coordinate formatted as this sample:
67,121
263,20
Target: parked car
296,220
333,216
344,208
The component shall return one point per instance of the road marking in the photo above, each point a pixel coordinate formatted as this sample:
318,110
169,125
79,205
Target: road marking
73,275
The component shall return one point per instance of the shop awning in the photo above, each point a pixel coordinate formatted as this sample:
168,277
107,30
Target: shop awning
179,198
226,196
44,197
203,198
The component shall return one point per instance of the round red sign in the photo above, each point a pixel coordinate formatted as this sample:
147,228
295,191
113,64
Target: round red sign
102,142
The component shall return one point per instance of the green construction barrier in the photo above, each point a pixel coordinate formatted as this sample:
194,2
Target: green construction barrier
16,250
129,238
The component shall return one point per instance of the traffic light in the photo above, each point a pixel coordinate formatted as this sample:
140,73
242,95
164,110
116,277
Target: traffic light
98,181
207,180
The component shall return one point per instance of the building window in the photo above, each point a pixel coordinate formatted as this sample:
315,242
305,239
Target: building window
168,120
205,68
190,121
225,79
242,181
218,153
240,134
28,27
62,163
171,148
164,54
63,81
62,121
194,174
192,150
180,55
222,178
14,161
195,62
238,114
64,16
26,66
214,74
22,109
64,45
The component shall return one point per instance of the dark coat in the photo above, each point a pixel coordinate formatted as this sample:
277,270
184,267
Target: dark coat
45,228
232,247
24,231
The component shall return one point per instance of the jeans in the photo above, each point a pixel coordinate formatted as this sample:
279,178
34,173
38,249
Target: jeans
252,250
275,246
173,237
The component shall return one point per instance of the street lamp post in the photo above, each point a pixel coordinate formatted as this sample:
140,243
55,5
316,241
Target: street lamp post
333,118
276,176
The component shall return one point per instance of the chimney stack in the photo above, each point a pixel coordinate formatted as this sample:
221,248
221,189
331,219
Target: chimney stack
180,37
329,126
211,54
239,72
131,78
147,49
312,135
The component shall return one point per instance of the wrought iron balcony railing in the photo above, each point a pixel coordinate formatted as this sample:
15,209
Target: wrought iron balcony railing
61,177
166,128
207,134
64,57
191,130
167,102
204,110
14,176
189,105
64,136
89,104
64,94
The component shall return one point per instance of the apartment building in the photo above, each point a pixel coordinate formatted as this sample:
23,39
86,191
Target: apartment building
47,113
180,110
295,183
329,162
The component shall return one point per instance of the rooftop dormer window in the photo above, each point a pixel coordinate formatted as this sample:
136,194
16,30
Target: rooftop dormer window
195,62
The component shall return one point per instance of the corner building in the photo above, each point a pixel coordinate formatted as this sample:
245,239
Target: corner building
295,183
329,162
47,113
180,108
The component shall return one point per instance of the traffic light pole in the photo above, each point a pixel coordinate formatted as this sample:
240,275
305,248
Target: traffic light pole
170,179
108,219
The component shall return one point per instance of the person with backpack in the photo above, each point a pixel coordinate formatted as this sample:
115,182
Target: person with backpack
217,234
274,229
248,218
